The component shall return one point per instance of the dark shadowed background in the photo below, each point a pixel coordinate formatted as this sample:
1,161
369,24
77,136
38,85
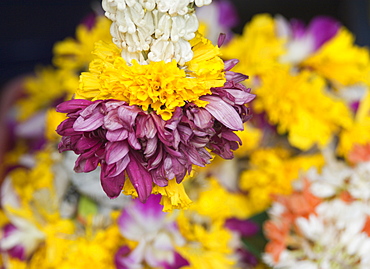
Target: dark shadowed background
29,28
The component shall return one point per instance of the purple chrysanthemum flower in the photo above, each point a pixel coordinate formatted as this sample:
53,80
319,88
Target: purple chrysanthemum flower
125,140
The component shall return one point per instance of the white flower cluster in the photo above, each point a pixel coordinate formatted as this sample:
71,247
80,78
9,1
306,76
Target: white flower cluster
336,177
336,233
153,30
333,237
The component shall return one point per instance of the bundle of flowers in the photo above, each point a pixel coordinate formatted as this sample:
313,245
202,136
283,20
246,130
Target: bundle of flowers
149,108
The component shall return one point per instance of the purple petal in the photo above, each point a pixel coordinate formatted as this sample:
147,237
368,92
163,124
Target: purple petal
86,143
140,178
228,16
156,159
223,112
85,165
240,97
91,123
158,176
65,128
221,39
116,151
229,64
235,77
179,262
72,105
202,118
323,28
117,135
112,186
112,121
128,114
133,141
150,147
18,251
193,155
243,227
119,257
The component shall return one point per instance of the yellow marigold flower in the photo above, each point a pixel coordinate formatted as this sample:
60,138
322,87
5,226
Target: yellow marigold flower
340,60
75,54
358,132
157,86
271,171
300,106
219,204
173,195
258,48
42,90
206,248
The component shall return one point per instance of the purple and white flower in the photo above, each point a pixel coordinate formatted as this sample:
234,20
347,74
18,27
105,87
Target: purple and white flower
156,234
302,41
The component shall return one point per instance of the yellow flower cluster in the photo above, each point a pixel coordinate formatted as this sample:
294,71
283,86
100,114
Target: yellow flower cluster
157,86
300,106
271,171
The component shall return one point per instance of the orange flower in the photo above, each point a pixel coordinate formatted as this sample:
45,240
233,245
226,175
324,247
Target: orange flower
359,153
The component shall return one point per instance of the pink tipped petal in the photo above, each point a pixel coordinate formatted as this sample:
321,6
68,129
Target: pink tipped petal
140,178
223,112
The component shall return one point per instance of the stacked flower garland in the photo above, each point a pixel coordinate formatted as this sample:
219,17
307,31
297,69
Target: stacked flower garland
146,107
